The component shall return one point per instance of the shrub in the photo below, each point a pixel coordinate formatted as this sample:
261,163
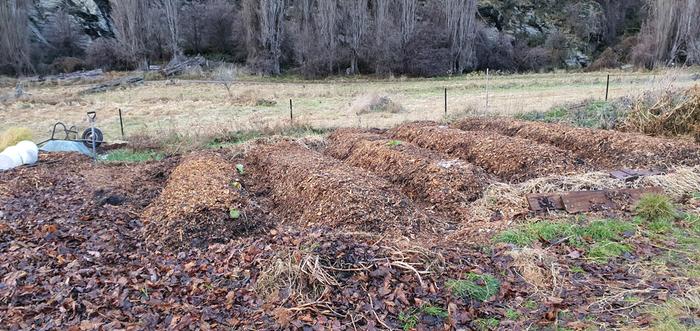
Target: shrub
68,64
106,53
12,136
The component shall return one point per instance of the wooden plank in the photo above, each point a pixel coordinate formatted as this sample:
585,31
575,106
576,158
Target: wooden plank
585,201
588,201
545,202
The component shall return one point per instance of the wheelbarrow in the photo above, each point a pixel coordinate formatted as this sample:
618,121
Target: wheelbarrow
91,137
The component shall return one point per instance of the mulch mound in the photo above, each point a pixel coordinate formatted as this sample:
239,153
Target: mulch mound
195,207
313,189
602,148
509,158
344,140
446,184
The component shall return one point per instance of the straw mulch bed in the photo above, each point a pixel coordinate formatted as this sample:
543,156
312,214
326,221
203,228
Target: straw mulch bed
446,184
344,140
602,148
509,158
315,190
673,113
194,208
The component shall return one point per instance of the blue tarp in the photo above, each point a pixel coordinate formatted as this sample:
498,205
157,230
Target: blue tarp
66,146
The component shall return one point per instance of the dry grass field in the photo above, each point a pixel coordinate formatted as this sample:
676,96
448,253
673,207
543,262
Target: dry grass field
205,108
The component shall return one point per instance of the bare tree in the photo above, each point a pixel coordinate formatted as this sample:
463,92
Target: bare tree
130,25
671,33
326,18
14,35
265,22
461,24
356,11
172,14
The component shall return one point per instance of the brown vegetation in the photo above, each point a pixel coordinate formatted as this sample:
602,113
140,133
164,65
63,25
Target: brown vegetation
509,158
447,184
601,148
200,205
314,190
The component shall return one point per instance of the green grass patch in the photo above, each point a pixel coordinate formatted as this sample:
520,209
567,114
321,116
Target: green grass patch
486,324
655,207
408,320
576,234
530,304
434,311
239,137
394,143
512,314
475,286
589,114
676,314
603,251
130,156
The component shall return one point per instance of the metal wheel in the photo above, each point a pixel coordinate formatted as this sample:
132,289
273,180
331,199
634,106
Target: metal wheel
87,138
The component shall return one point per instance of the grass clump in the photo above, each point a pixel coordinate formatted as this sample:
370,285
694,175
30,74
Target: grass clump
654,208
485,324
394,143
676,314
408,320
434,311
575,233
603,251
512,314
595,114
476,286
132,156
12,136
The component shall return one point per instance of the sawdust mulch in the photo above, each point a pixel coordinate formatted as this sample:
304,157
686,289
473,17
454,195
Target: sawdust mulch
602,148
316,190
445,183
201,204
509,158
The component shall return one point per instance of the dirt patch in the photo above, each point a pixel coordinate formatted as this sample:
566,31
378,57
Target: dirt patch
602,148
445,184
510,159
312,189
201,204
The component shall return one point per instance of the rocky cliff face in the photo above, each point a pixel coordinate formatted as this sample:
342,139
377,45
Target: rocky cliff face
92,16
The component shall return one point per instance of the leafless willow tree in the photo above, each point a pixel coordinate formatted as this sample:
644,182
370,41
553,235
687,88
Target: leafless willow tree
326,16
265,23
461,24
671,33
130,24
15,48
358,17
172,15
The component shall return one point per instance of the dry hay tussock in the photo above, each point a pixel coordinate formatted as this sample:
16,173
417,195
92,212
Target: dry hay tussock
508,200
375,103
537,267
670,114
423,175
511,159
603,148
320,191
194,207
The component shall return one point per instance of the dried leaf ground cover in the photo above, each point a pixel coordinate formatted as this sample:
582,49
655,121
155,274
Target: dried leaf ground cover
509,158
316,190
603,148
201,204
73,257
443,183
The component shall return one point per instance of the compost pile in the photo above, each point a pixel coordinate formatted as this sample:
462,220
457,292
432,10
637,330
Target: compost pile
601,148
314,190
196,206
448,184
509,158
